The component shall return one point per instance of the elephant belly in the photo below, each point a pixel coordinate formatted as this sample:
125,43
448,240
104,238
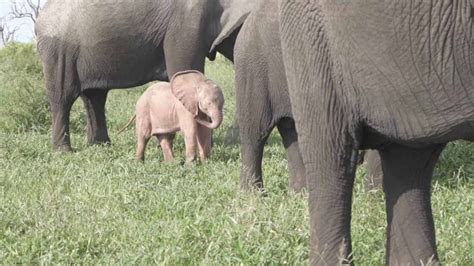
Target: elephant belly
407,108
120,65
411,78
162,123
115,44
376,137
162,104
417,126
168,130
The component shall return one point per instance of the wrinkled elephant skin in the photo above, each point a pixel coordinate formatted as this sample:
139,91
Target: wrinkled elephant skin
394,76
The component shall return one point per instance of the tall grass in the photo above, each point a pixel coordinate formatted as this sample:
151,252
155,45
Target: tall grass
23,103
98,206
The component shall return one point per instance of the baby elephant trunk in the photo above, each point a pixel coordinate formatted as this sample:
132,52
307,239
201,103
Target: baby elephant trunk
216,120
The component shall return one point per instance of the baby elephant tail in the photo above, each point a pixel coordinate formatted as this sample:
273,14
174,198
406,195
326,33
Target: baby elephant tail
128,124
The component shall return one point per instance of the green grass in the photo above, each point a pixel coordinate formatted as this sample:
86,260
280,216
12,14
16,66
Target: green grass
98,205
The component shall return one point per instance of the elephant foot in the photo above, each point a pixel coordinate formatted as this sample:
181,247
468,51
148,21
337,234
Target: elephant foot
374,175
190,161
63,148
251,183
372,183
253,187
101,141
297,184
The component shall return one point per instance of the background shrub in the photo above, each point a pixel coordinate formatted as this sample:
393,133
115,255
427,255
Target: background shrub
23,101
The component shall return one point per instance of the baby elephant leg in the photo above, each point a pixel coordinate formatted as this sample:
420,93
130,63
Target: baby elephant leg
141,146
190,144
204,137
166,143
143,132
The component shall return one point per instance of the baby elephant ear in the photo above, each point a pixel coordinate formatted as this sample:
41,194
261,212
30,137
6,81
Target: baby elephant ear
184,86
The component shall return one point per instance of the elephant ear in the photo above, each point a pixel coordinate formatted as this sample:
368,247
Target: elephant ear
233,16
184,86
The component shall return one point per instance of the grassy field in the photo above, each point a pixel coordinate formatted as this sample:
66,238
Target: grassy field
98,205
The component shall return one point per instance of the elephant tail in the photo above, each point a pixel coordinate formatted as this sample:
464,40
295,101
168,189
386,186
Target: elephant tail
128,124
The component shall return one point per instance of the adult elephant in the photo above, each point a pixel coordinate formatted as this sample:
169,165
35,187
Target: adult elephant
263,101
89,47
262,97
392,76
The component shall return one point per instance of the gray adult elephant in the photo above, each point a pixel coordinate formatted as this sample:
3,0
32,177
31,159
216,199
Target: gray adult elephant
88,47
262,96
263,101
396,76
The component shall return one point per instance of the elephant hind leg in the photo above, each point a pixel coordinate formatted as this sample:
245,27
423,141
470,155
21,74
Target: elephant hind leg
60,125
94,102
407,182
60,78
287,130
141,147
143,132
252,146
62,91
166,143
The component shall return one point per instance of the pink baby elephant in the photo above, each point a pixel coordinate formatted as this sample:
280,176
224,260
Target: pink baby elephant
191,103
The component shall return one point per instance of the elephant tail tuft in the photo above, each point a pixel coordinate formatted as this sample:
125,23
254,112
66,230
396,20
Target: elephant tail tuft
128,124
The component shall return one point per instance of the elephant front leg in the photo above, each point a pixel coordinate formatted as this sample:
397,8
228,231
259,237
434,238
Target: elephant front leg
407,182
297,178
330,171
94,102
204,138
180,55
190,140
330,153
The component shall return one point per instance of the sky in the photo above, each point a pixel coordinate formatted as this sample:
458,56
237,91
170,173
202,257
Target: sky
26,27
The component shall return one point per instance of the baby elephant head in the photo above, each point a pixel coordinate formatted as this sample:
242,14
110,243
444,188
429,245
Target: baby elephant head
198,93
